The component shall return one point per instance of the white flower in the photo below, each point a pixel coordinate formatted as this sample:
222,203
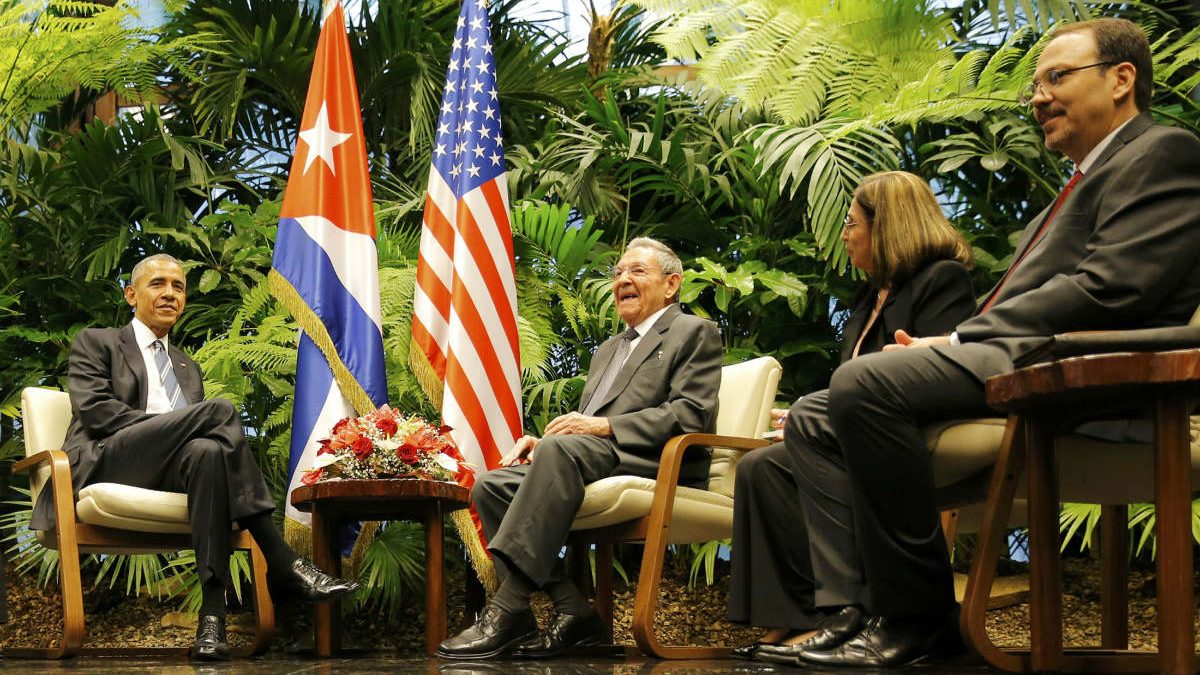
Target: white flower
447,462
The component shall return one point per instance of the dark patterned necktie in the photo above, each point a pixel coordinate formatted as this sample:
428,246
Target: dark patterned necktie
1041,232
166,375
610,372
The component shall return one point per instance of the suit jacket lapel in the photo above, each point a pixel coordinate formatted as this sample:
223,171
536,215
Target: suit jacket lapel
596,370
646,349
187,373
133,359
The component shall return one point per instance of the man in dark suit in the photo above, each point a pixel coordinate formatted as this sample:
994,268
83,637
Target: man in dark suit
139,418
1117,250
654,381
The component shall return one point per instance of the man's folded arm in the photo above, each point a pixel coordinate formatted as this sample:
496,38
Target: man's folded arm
690,405
90,387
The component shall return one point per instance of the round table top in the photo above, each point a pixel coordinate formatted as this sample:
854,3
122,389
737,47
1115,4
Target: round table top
380,489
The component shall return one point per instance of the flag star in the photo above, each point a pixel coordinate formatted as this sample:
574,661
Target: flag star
472,105
460,148
457,43
461,21
478,150
477,87
496,159
476,23
453,65
447,107
487,48
485,132
440,150
443,128
467,124
482,66
473,170
321,140
466,63
456,170
471,42
492,92
490,112
450,87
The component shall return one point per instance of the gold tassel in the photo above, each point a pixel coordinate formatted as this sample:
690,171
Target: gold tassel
299,537
426,377
475,553
316,331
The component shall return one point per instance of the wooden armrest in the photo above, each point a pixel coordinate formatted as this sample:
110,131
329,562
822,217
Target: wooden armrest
1137,376
672,456
56,458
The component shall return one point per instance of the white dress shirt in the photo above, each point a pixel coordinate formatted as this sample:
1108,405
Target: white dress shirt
156,394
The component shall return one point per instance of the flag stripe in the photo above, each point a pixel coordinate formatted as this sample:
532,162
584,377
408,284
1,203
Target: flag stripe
487,282
303,262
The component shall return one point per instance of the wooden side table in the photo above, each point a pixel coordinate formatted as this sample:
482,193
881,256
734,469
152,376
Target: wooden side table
336,503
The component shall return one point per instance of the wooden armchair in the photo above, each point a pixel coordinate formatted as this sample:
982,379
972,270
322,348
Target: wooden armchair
1042,454
659,512
108,518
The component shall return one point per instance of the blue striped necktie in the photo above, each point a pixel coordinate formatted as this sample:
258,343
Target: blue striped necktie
166,374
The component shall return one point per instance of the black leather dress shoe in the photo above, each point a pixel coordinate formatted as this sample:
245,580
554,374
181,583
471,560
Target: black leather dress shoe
832,631
886,643
303,578
211,644
748,651
565,632
496,632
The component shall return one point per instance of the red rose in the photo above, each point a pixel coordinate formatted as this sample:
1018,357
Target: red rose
387,425
313,476
324,449
340,423
445,429
407,453
362,447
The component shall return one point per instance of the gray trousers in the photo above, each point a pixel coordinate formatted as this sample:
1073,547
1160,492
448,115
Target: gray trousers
200,450
526,510
866,479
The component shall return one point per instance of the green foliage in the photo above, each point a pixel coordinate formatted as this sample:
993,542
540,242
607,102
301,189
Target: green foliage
394,566
1077,526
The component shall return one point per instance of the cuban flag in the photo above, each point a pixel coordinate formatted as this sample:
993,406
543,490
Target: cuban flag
326,267
465,303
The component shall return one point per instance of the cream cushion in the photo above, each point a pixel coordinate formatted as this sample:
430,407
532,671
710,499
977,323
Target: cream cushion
1091,471
45,416
745,397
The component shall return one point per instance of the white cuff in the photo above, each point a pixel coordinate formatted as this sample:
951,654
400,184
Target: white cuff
954,339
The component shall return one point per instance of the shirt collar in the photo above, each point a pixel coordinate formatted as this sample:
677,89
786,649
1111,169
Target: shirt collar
645,326
143,334
1086,165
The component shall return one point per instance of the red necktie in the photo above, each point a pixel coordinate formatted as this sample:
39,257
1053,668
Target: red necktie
1041,232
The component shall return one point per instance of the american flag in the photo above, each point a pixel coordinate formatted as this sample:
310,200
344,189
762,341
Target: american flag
465,309
325,269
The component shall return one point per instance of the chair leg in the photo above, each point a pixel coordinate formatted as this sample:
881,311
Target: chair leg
1173,509
991,545
645,603
264,609
1114,575
604,584
950,529
1045,574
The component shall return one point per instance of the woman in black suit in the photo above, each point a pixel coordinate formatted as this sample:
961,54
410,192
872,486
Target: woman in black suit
916,263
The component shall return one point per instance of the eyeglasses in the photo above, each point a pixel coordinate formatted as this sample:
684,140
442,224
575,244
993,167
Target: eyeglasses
850,222
634,271
1053,76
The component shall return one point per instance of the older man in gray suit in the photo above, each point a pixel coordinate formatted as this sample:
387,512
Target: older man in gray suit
1118,249
654,381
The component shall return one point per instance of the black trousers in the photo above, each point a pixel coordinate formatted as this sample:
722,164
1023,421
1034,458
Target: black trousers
772,579
200,450
526,510
866,479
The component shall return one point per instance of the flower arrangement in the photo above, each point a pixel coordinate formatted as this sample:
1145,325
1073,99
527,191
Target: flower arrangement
386,444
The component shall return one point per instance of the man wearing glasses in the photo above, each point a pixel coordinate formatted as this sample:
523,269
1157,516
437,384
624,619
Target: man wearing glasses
1117,250
656,380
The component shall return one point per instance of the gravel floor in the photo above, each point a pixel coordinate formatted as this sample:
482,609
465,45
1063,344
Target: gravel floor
687,615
